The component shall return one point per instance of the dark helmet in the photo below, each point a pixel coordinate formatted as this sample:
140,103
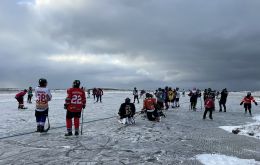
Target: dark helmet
147,95
42,82
76,84
25,90
127,100
248,93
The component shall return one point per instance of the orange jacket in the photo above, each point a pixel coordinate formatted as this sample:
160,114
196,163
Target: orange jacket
75,100
149,104
248,100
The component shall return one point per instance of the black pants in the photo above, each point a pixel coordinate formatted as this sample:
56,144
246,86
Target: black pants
29,98
224,105
99,98
247,106
193,105
152,115
136,97
206,111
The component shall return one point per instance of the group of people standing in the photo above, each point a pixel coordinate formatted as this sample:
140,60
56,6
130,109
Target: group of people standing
75,102
97,94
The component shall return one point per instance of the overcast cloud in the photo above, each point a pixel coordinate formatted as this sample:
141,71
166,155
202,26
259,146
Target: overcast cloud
128,43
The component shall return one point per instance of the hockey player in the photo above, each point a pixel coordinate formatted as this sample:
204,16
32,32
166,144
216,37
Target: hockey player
209,106
223,100
247,102
160,99
74,103
126,112
171,96
177,98
99,95
149,107
135,93
19,97
43,96
30,95
193,99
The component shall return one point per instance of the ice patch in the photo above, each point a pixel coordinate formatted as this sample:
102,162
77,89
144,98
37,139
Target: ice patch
216,159
252,129
67,147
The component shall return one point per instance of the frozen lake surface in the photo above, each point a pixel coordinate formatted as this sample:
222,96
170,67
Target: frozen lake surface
180,138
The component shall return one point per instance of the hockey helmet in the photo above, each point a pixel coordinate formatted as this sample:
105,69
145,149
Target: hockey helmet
42,82
127,100
76,84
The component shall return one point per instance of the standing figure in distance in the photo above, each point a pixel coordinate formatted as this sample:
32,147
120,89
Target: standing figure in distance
223,100
209,105
99,95
43,96
74,103
247,102
135,93
30,95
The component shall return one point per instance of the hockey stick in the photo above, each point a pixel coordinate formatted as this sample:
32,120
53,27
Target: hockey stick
81,131
49,126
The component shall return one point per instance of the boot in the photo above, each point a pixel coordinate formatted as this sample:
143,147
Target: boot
76,133
41,128
68,134
38,128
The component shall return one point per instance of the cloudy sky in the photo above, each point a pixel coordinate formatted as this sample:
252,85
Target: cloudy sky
128,43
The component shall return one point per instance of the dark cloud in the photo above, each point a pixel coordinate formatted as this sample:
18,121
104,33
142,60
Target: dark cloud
131,43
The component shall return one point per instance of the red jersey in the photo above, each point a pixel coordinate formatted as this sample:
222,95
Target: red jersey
248,100
20,94
149,104
75,99
209,103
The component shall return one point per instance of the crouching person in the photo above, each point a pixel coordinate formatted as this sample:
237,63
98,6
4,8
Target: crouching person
127,112
149,107
74,103
19,97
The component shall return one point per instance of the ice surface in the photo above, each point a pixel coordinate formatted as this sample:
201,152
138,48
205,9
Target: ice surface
216,159
175,140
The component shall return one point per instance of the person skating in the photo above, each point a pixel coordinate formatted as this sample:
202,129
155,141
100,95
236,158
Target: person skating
149,107
247,103
74,103
19,97
193,99
127,112
43,96
99,95
171,96
160,99
94,93
30,95
209,105
135,93
223,100
177,97
166,98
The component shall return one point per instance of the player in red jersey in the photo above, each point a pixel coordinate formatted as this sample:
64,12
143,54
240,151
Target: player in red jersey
19,97
247,102
74,103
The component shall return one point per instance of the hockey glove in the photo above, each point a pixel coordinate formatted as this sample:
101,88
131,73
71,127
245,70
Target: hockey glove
241,103
256,103
65,106
84,106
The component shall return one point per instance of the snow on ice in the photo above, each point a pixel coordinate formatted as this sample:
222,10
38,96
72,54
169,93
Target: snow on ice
216,159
